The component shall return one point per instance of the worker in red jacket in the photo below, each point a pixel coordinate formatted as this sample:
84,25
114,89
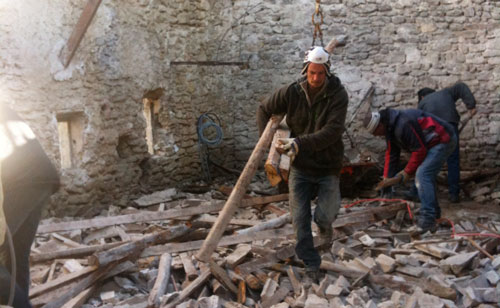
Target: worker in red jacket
429,139
28,179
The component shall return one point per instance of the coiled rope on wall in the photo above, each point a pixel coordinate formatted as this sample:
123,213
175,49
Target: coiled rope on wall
206,124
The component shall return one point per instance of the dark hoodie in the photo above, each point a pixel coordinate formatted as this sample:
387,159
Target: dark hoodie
317,126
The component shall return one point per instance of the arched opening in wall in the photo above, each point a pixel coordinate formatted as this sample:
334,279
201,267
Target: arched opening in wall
70,126
151,110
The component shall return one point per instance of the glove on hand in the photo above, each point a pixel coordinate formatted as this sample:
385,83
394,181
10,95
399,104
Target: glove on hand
401,177
288,146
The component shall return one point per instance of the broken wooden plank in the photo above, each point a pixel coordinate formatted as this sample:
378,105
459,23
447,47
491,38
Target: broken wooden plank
73,252
80,287
225,241
160,286
190,288
64,279
81,298
238,255
191,272
204,207
220,274
270,224
136,247
76,37
273,158
234,200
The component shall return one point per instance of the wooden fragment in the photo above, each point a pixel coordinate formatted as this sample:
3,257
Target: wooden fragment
79,287
81,298
284,167
66,241
396,223
481,249
341,269
293,279
191,272
72,253
136,247
234,221
221,275
190,289
234,200
242,292
64,279
238,255
270,224
160,286
79,31
273,158
147,216
226,241
435,251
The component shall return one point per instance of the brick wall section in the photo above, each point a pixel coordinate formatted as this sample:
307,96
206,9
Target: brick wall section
398,46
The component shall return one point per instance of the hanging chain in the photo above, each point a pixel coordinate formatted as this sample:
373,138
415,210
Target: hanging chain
317,25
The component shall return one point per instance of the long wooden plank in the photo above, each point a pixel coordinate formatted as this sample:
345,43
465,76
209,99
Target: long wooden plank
72,253
60,280
213,238
79,31
160,286
273,158
204,207
225,241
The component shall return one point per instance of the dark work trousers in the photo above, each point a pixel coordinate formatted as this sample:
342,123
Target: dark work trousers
28,179
453,163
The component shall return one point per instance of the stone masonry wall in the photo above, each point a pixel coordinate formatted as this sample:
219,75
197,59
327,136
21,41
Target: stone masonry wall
130,52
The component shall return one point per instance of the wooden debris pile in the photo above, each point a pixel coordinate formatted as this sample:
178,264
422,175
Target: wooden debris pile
145,258
482,185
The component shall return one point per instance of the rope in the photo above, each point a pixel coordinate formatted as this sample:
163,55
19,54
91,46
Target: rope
207,121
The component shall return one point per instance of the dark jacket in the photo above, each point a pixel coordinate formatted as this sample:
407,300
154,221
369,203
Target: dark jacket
442,103
318,126
414,131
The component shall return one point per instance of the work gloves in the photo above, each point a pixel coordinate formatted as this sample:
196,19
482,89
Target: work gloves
401,177
288,146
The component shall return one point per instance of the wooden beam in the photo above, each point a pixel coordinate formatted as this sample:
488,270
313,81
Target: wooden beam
72,253
273,158
190,288
60,280
225,241
83,23
238,192
204,207
160,286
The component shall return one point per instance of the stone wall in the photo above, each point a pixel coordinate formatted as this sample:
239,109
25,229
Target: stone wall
132,49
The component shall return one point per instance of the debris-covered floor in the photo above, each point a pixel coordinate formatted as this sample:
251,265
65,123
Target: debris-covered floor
143,255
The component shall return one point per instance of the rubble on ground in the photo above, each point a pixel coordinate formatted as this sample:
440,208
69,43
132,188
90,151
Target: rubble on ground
143,256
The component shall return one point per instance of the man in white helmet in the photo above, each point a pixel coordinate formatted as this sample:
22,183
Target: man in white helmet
315,108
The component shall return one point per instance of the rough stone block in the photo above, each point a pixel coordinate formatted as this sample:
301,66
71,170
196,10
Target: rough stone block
458,262
386,263
314,301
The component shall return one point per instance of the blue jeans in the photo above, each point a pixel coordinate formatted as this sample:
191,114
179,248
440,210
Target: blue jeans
302,188
453,163
425,180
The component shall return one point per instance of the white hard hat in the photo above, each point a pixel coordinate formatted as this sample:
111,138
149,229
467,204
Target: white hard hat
317,55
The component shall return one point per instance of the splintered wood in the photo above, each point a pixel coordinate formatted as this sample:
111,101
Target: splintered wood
129,260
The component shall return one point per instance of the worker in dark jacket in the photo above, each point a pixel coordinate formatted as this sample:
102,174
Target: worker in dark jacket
430,141
442,104
28,179
315,108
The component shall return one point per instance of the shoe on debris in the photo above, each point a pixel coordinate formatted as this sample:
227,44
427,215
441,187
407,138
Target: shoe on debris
325,234
422,228
454,198
311,276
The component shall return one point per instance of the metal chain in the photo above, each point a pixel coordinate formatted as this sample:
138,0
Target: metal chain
317,25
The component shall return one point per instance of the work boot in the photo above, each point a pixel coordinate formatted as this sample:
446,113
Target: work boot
454,198
423,227
311,276
325,234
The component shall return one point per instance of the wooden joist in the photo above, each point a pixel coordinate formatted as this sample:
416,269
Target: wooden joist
147,216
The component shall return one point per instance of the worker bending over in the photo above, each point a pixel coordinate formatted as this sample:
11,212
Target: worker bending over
430,141
315,108
28,179
442,104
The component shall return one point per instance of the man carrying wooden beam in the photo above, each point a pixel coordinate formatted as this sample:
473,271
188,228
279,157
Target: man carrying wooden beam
315,108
